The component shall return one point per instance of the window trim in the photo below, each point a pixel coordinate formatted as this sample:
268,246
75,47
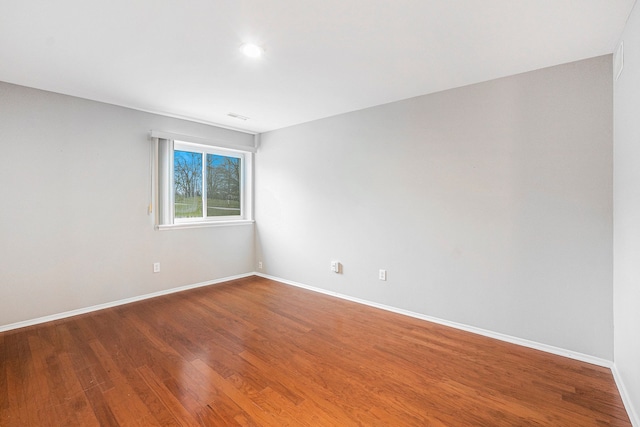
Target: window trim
163,183
204,224
155,134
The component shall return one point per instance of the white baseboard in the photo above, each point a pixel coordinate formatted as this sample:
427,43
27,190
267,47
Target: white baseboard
473,329
66,314
628,404
502,337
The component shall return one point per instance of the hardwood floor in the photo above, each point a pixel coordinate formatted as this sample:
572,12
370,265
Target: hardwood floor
254,352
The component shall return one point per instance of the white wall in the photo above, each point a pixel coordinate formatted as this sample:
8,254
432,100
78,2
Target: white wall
74,229
489,205
627,215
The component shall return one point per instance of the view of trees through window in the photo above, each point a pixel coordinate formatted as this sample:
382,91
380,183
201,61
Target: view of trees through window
221,194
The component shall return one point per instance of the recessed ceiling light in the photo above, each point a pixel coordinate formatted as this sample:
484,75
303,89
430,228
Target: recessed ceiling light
252,50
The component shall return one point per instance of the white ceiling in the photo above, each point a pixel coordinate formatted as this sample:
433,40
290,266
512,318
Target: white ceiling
323,57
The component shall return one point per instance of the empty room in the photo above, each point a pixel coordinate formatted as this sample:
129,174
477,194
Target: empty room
320,213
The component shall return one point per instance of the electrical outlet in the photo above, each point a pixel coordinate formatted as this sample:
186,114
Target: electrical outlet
336,267
260,265
156,267
382,274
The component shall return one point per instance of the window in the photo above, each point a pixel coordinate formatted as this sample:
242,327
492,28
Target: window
206,183
201,184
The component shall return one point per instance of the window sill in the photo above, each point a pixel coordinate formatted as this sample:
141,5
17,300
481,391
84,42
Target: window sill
205,224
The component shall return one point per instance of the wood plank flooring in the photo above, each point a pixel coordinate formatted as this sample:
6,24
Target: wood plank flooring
254,352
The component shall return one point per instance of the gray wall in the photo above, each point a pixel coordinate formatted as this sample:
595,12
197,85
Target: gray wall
74,229
489,205
627,214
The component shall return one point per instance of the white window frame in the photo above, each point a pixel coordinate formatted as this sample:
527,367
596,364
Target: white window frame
165,186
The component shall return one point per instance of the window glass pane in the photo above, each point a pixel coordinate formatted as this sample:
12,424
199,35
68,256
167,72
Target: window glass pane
187,178
223,185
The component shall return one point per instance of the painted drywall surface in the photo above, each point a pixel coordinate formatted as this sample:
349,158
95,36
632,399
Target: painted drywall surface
626,192
488,205
74,228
